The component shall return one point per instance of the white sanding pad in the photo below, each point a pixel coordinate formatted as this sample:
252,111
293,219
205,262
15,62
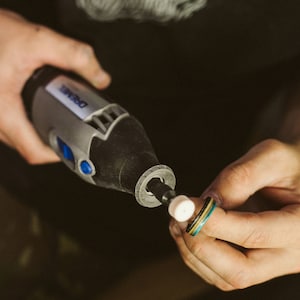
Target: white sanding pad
181,208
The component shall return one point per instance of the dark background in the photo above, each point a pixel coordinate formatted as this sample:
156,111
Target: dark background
197,86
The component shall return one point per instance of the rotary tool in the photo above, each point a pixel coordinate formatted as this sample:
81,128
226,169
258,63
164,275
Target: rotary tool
99,140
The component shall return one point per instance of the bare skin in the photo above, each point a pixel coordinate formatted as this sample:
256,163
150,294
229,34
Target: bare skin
269,241
24,48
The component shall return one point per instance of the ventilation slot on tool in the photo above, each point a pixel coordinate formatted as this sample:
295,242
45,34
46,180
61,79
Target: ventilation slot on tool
105,119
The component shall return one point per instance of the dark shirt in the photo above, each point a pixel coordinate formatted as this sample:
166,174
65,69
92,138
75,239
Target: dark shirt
196,85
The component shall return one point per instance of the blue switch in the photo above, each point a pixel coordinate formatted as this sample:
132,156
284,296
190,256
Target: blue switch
86,167
65,149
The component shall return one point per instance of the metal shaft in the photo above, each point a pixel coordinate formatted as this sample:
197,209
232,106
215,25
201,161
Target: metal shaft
161,191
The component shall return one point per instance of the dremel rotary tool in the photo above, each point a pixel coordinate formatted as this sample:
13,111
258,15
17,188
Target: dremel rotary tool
99,140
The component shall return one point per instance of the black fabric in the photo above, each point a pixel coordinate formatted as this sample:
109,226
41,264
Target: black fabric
197,86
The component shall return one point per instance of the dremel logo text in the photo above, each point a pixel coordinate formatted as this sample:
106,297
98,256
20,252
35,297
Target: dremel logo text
72,96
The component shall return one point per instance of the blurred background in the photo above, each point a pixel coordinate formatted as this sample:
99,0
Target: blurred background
198,86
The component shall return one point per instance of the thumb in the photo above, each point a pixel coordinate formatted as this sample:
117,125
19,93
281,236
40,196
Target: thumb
270,163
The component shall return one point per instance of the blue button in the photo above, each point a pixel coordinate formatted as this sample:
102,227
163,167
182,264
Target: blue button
86,167
65,149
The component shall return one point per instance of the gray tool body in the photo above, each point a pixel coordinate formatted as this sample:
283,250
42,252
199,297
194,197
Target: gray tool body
98,140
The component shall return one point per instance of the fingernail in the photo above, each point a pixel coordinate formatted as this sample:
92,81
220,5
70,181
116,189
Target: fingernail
214,195
175,229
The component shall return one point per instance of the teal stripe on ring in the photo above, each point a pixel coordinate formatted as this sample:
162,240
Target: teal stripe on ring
205,219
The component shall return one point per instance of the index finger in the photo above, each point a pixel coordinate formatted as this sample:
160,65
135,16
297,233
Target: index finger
268,229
